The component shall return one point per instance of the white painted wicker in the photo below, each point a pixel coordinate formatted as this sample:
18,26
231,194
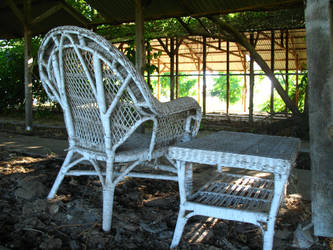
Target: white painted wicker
104,101
238,197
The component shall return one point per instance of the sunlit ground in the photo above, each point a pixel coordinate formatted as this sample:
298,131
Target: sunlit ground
143,209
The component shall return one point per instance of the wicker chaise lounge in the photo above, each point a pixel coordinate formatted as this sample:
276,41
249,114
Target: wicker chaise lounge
104,101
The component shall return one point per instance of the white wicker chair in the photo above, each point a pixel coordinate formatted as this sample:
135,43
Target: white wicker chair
104,101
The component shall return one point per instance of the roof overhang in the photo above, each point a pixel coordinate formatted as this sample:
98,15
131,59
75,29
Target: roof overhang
123,11
44,16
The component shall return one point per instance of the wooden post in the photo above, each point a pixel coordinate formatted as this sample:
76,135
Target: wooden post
272,68
319,44
251,81
244,91
204,52
158,80
228,77
139,37
177,71
287,65
28,65
296,94
172,69
148,61
199,87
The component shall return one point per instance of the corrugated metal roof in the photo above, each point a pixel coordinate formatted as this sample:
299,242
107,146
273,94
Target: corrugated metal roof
190,52
123,11
63,14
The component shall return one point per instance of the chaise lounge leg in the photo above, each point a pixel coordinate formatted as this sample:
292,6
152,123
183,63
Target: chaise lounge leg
61,175
108,194
181,222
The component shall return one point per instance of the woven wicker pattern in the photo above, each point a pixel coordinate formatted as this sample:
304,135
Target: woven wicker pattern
238,197
244,150
105,101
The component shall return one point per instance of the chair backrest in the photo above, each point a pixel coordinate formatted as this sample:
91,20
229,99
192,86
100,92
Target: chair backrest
103,97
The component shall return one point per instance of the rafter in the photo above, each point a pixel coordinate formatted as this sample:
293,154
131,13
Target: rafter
211,46
16,10
46,14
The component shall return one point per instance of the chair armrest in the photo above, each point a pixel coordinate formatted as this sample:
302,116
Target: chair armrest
179,105
177,120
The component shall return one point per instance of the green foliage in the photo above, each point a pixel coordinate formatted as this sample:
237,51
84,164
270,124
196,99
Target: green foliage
149,68
220,88
12,75
85,9
186,85
279,105
302,87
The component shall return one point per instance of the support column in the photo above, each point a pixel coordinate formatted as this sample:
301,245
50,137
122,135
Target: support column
139,37
244,90
199,79
172,69
251,81
177,71
228,77
28,65
319,43
272,68
204,52
158,80
148,61
297,68
287,65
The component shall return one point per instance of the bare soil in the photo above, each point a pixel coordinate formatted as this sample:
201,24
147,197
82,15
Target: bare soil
144,215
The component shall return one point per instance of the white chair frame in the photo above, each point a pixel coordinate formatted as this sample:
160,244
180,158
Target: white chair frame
104,101
238,197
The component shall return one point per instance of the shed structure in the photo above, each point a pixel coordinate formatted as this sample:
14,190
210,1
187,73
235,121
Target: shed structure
121,11
28,18
116,12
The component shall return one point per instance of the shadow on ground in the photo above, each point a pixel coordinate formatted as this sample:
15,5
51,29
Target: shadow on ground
144,215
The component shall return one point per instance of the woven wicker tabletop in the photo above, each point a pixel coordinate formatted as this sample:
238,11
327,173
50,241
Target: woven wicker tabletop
252,151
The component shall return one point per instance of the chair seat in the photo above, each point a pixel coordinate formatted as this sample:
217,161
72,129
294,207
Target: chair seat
136,147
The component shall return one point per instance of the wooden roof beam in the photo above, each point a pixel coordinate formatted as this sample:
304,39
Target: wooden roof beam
211,46
46,14
277,43
16,10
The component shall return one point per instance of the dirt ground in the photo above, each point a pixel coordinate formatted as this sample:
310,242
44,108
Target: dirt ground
144,214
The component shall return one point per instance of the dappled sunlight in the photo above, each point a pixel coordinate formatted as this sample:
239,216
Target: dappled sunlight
199,231
18,164
7,143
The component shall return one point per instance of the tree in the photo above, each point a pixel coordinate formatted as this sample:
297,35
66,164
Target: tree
279,105
186,85
220,88
12,74
130,53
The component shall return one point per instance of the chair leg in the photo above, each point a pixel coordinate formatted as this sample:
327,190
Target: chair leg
61,175
181,222
108,195
269,235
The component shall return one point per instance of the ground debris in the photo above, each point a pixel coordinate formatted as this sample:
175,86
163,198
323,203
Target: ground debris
144,215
